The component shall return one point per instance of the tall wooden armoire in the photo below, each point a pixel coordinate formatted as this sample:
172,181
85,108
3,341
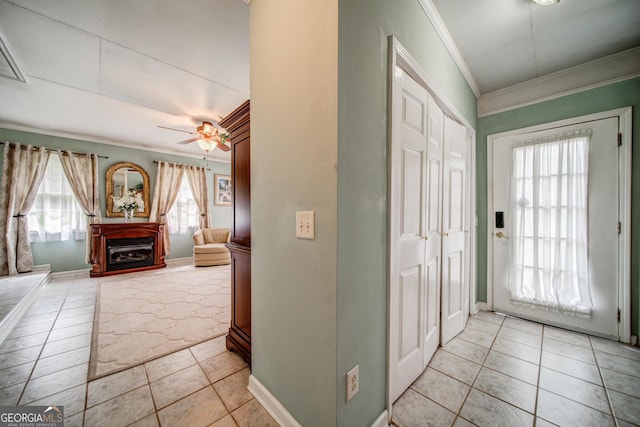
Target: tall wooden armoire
239,337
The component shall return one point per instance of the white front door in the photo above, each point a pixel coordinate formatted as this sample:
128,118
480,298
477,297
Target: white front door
408,269
455,228
603,216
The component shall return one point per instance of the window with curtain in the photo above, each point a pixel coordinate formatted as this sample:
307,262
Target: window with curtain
183,216
56,215
549,241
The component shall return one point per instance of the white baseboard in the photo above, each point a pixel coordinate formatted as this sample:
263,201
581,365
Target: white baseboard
280,413
182,259
480,306
84,271
382,421
271,404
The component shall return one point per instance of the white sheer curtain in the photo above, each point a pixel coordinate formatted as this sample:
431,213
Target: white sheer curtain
56,214
549,242
197,178
183,215
81,171
22,171
166,191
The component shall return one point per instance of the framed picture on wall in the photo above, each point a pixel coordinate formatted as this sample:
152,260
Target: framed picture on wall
222,193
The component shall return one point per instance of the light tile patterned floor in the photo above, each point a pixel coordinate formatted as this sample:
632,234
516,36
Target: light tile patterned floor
511,372
499,371
44,361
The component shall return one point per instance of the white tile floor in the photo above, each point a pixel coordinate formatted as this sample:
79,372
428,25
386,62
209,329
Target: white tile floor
511,372
44,361
499,371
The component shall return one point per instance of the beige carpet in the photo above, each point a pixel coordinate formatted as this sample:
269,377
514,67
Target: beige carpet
143,316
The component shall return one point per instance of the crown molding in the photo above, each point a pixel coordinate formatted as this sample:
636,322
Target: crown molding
107,141
433,15
16,74
590,75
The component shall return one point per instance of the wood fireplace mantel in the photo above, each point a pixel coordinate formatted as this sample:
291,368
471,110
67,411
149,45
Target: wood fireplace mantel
100,233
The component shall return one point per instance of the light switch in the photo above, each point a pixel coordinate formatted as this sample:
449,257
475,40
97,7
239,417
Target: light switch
305,225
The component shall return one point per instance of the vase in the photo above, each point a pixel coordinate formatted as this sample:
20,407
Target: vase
128,215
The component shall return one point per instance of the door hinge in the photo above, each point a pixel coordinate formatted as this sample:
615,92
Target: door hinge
619,139
618,315
619,227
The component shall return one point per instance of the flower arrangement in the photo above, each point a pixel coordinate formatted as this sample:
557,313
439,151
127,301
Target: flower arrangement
128,203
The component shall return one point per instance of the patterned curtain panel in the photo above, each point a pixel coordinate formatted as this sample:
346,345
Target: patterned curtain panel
165,193
197,178
82,173
22,170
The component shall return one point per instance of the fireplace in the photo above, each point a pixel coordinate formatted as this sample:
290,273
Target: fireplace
126,247
129,253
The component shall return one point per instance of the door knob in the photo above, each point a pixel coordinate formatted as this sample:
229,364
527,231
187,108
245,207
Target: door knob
501,235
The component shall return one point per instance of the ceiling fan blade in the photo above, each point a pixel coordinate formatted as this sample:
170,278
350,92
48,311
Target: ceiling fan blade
187,141
223,147
177,130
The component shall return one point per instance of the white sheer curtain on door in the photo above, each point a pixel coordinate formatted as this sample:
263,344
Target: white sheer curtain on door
549,242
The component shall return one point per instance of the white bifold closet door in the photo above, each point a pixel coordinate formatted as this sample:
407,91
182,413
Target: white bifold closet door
425,236
455,231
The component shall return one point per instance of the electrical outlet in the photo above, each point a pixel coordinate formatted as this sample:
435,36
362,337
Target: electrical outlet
353,383
305,225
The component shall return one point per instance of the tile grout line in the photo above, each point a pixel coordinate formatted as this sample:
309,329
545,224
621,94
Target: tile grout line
477,374
211,384
153,400
86,383
518,379
604,384
535,407
39,357
29,378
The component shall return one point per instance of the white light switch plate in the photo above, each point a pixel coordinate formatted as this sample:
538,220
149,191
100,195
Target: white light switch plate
305,225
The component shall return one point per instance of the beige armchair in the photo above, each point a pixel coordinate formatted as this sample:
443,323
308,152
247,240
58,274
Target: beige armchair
209,247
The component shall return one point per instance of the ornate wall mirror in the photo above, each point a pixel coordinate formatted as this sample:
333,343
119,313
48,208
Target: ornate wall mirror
127,178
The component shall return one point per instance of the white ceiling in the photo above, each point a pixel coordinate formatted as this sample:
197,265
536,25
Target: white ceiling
506,42
114,70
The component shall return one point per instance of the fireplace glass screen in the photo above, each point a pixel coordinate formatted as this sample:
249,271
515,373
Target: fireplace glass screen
129,253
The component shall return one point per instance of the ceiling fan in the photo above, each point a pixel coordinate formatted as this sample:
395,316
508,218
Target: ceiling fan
208,137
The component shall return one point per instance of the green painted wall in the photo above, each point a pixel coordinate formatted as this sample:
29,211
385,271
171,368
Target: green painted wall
293,167
319,104
617,95
69,255
364,27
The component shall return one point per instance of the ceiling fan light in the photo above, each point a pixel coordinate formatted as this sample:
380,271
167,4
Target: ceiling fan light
544,2
205,144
